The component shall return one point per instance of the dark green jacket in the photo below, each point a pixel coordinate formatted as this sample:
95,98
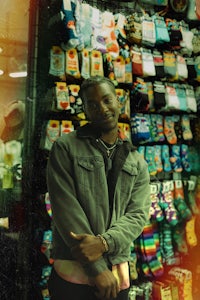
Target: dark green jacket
85,200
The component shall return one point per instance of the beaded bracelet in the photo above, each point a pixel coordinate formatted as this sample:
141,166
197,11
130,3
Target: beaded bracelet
103,242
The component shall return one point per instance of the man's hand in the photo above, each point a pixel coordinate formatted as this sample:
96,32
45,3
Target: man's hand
89,248
107,285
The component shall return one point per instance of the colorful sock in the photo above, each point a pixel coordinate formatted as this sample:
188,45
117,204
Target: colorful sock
120,32
150,251
108,26
66,127
191,67
160,128
179,238
85,63
177,127
150,159
52,133
75,101
57,62
184,158
86,26
72,63
186,130
109,67
96,63
189,192
187,37
155,210
167,243
142,265
165,158
169,64
71,38
182,71
191,100
121,95
159,64
141,150
134,29
78,24
184,213
167,202
153,127
98,40
172,101
62,96
157,240
159,95
148,67
148,32
139,128
136,57
191,237
162,34
128,70
175,158
119,68
169,130
158,158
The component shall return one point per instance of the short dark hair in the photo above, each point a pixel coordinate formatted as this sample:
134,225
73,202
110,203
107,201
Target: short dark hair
93,81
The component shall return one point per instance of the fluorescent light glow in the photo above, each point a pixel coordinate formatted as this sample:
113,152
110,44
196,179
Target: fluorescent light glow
18,74
1,72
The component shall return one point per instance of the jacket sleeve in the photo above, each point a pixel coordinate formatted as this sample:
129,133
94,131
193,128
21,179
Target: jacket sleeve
68,214
129,226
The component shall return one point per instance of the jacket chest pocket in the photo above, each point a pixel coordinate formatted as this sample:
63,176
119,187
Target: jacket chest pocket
128,178
91,172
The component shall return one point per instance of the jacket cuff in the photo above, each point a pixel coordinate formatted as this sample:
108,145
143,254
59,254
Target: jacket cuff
95,268
110,242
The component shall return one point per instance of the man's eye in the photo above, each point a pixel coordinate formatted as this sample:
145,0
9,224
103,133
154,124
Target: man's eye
108,100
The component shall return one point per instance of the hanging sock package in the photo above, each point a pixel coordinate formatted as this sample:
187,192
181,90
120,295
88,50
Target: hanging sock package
108,26
136,57
159,64
148,32
148,63
62,96
72,63
71,39
162,34
57,62
133,29
139,129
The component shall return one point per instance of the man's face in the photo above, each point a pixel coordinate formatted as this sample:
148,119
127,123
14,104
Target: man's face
102,107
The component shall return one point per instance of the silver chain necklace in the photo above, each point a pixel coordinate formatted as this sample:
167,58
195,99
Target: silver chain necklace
108,149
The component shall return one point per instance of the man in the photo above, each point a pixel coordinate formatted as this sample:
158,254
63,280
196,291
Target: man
100,195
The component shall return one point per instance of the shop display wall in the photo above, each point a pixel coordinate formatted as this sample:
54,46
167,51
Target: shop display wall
151,52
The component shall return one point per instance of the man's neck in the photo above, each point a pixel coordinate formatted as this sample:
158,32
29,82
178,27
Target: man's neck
110,137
